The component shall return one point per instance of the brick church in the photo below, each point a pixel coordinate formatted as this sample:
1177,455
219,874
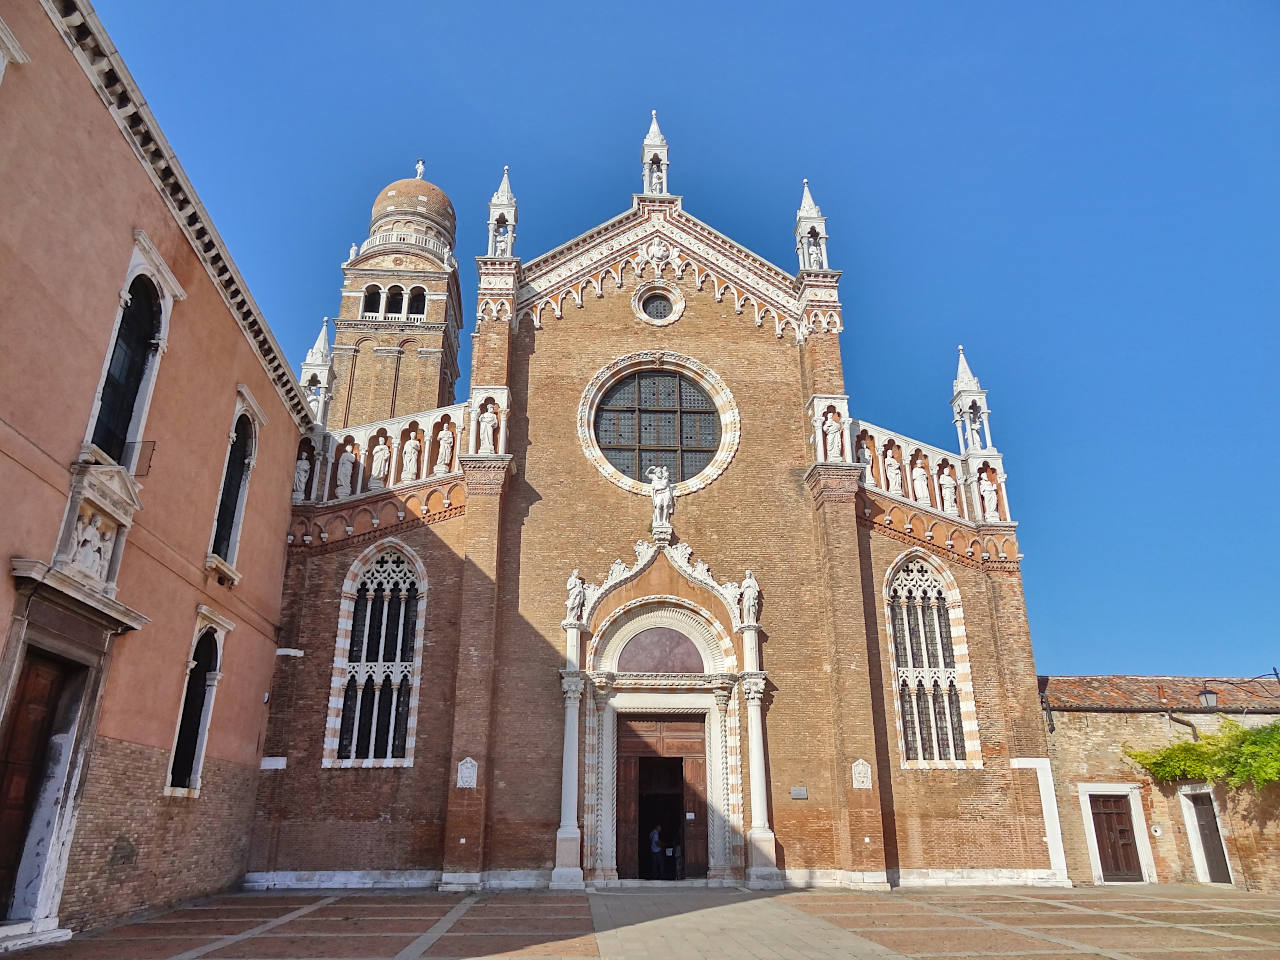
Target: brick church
653,574
649,602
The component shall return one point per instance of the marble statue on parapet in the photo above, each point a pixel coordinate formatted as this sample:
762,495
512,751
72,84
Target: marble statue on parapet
301,473
313,401
355,252
947,484
990,504
500,246
380,463
832,428
444,460
409,459
750,598
577,597
346,465
892,474
920,482
864,458
488,426
664,499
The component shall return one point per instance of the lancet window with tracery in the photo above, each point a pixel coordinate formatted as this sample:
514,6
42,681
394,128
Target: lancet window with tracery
935,701
377,681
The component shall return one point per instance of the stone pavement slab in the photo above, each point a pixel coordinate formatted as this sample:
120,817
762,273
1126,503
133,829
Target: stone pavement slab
1010,923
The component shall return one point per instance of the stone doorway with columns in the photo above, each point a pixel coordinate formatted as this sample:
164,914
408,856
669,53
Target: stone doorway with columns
647,644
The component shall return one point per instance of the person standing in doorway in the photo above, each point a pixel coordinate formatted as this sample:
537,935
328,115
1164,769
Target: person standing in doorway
655,852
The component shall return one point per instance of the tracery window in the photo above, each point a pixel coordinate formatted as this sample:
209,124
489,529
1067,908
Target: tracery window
933,691
658,418
380,676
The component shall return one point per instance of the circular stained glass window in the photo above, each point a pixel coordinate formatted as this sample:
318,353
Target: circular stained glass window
655,418
656,307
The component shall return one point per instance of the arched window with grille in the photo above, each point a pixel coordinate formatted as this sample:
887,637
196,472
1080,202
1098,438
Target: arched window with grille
377,661
936,714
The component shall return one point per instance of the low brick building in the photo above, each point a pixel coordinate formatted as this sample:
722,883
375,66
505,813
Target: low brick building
1118,824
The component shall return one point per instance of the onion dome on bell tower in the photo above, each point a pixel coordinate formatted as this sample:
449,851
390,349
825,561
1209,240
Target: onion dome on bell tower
396,345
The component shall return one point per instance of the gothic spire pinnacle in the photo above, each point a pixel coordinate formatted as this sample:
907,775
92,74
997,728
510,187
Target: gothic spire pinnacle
807,207
965,380
320,352
655,133
504,194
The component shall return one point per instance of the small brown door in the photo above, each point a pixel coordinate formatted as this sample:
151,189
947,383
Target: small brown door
628,816
24,743
1117,848
1215,858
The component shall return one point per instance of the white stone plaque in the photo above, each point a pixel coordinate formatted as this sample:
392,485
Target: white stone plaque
467,773
861,775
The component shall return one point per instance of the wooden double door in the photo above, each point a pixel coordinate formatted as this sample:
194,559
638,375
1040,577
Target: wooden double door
662,784
24,749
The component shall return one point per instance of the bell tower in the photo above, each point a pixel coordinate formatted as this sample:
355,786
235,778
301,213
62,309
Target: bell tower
396,334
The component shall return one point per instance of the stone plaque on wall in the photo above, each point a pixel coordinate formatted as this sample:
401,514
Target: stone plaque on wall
467,773
861,775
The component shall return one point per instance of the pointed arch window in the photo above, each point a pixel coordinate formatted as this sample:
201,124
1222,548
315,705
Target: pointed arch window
224,546
204,669
376,667
129,372
935,695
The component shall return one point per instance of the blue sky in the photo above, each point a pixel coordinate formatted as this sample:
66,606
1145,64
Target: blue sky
1085,195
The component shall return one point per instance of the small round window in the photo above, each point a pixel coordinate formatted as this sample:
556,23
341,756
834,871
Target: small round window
656,306
657,419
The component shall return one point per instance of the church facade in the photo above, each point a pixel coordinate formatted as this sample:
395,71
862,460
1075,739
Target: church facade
652,584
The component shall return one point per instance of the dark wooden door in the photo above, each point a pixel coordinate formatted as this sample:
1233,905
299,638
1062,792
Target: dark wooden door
695,817
24,744
628,817
1117,847
1215,858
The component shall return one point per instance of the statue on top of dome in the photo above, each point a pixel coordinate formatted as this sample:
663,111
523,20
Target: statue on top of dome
420,167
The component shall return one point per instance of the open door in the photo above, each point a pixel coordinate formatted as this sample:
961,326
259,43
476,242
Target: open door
24,747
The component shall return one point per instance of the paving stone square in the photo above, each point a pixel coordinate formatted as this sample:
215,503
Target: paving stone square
693,923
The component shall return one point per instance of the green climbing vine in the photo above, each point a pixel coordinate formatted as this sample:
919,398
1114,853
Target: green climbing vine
1235,756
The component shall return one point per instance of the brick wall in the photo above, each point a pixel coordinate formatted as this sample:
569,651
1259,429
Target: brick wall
311,818
135,849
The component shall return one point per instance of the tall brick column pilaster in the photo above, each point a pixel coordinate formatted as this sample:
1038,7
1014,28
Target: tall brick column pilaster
465,816
857,687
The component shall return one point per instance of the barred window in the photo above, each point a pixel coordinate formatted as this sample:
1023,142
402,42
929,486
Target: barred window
379,671
655,418
930,692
